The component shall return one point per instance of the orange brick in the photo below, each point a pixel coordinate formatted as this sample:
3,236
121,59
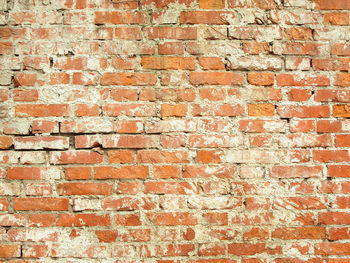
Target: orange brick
260,79
261,109
6,142
342,111
178,110
211,4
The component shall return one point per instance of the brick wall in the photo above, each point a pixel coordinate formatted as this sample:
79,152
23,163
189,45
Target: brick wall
168,131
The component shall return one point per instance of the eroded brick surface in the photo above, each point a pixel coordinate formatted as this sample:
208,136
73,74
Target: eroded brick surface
170,131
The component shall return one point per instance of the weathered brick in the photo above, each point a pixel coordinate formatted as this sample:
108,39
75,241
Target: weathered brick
206,17
75,157
128,79
168,63
41,110
105,172
38,143
175,131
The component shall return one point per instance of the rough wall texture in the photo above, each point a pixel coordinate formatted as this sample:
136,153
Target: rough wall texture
165,131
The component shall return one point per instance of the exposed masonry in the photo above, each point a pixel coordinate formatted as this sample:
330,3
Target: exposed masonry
170,131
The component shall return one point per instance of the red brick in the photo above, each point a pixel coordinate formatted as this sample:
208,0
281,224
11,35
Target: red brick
332,95
41,110
202,171
342,111
339,171
122,204
181,63
172,219
6,48
128,220
178,110
129,126
212,94
79,220
76,157
6,142
261,109
85,79
298,33
106,235
10,251
242,249
171,131
169,188
340,49
211,4
179,33
211,63
326,156
300,233
326,5
206,17
335,18
255,48
295,80
59,78
342,140
266,4
33,173
77,173
4,95
84,189
216,78
342,80
219,219
27,79
154,156
42,126
41,204
256,233
332,248
129,187
299,95
41,142
300,48
128,79
127,33
162,4
25,95
329,126
303,111
87,110
35,251
171,48
260,79
223,260
39,189
211,249
126,17
77,63
332,64
296,171
120,156
126,172
124,63
341,202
